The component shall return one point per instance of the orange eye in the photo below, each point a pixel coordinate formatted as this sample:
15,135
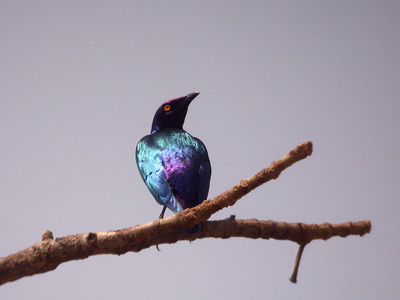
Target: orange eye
167,107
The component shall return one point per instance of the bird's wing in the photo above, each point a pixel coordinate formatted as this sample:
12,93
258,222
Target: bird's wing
150,164
181,173
204,173
188,171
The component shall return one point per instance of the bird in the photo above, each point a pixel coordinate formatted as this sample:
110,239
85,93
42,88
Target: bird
173,164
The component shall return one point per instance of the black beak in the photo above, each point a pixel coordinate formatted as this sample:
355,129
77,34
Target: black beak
190,97
183,102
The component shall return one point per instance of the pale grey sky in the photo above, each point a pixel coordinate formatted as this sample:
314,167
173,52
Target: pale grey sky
81,80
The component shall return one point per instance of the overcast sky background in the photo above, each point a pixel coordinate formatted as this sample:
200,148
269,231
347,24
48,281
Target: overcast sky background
80,82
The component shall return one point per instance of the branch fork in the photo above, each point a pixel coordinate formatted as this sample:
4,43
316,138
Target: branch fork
49,253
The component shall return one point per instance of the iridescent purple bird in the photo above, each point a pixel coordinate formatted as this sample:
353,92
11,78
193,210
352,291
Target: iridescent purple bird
173,164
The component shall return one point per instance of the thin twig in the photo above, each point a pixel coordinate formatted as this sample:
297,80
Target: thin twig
293,278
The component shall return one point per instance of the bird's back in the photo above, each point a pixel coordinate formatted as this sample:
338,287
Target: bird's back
175,167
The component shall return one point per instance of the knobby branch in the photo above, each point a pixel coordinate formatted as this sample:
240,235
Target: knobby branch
46,255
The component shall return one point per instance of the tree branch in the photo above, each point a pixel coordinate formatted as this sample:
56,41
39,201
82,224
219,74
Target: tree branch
202,212
48,254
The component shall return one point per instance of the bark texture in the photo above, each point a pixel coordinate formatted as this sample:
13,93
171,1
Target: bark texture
46,255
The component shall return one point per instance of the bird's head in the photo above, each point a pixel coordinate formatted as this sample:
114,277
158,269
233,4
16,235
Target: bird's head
172,113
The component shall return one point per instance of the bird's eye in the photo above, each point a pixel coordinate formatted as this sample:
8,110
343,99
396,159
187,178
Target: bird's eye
167,107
